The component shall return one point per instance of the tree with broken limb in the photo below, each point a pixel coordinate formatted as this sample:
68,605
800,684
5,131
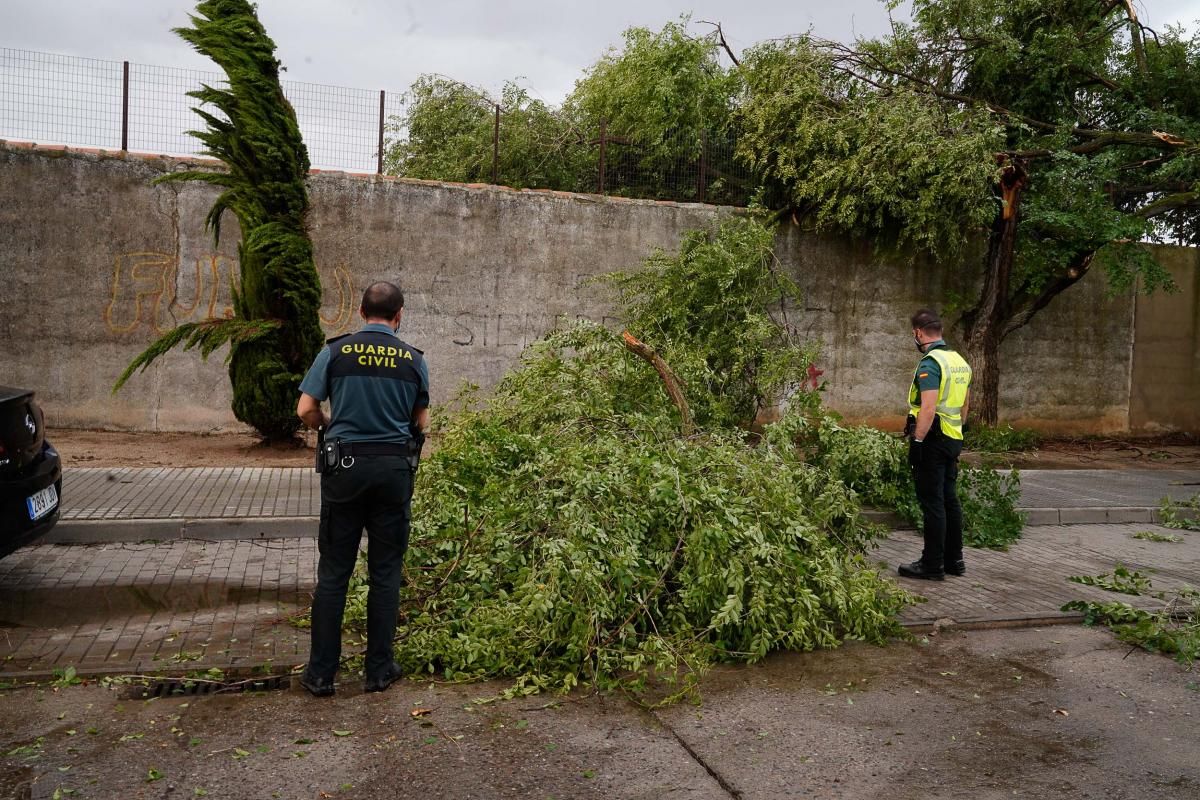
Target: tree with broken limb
670,380
252,129
1060,135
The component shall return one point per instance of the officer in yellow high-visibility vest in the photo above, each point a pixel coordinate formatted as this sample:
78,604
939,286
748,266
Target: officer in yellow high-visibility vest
937,406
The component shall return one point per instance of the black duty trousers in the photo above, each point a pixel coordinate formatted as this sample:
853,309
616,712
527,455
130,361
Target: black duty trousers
934,464
375,493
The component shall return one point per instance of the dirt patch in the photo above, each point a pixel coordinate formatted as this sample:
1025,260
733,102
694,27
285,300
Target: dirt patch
89,448
83,448
1176,451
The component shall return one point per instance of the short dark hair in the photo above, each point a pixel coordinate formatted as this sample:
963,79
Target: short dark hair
382,300
927,320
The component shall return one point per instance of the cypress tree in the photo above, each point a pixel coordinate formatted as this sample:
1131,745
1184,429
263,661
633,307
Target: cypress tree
276,330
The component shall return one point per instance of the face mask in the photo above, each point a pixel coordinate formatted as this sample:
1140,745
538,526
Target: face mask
917,342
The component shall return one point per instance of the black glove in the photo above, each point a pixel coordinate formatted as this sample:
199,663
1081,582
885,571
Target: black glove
417,445
916,453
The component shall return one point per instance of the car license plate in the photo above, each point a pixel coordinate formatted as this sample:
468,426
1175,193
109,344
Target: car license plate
43,502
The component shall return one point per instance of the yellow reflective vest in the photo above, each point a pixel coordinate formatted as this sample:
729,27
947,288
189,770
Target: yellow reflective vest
952,391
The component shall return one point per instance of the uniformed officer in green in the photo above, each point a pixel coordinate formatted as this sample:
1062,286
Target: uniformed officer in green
378,392
937,406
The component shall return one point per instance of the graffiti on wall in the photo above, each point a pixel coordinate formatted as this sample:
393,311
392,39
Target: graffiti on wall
513,330
154,290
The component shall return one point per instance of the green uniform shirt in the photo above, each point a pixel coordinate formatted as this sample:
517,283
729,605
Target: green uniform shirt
375,383
929,372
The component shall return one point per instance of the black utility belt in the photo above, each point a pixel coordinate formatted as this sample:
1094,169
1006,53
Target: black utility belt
337,454
376,448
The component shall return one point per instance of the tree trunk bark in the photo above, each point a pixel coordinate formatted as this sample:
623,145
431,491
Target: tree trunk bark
984,325
983,354
669,379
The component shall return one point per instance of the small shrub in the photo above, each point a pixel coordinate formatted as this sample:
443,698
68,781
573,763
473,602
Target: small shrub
875,465
989,501
999,439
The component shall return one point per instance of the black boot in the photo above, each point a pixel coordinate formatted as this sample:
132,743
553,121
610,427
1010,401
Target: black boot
382,682
917,569
956,567
317,687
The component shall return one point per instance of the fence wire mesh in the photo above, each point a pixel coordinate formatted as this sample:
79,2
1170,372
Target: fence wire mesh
160,110
703,171
56,99
84,102
60,99
340,125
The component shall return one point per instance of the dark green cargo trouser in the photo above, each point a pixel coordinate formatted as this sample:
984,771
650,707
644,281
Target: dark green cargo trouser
934,465
375,492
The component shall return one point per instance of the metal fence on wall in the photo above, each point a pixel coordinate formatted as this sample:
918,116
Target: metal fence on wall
711,175
85,102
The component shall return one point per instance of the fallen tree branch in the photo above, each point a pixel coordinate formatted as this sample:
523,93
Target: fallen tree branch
670,381
721,41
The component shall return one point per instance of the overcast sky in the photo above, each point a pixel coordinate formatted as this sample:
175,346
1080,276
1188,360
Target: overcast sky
376,44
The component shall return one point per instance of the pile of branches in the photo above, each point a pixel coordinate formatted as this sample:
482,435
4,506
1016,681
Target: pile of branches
584,526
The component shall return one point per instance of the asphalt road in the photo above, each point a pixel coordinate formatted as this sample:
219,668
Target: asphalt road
1058,712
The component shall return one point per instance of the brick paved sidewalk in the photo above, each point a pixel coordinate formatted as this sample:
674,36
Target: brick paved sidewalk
185,605
122,608
1029,582
128,504
127,493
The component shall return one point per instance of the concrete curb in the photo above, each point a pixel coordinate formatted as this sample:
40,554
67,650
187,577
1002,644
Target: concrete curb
100,531
40,607
988,623
248,669
1092,515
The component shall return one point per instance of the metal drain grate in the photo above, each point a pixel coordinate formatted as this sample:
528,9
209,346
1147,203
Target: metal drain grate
182,687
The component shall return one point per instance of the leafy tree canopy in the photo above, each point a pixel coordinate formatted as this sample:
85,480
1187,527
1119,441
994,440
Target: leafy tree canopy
856,158
667,89
447,129
1028,140
658,96
1061,132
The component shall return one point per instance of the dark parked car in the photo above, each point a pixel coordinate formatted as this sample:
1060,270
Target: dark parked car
30,472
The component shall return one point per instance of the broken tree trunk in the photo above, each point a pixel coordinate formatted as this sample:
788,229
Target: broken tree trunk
669,379
984,325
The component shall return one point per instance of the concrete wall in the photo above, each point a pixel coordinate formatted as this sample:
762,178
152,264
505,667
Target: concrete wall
95,263
1067,371
1165,391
